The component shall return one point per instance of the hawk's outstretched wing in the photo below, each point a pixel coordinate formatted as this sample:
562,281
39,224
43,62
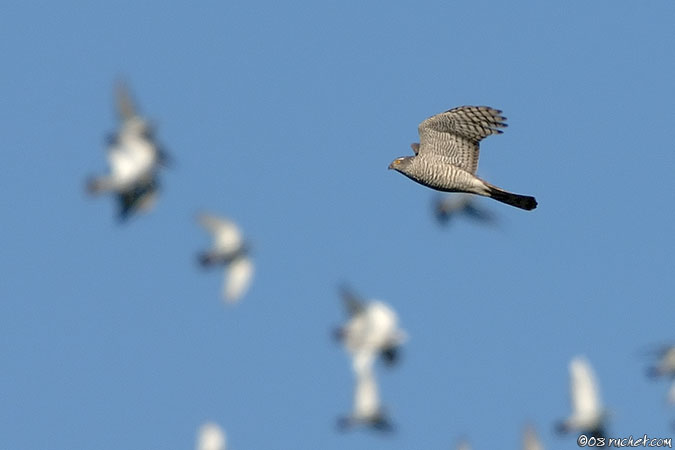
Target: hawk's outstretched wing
455,134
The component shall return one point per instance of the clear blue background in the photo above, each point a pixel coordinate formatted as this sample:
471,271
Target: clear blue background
284,117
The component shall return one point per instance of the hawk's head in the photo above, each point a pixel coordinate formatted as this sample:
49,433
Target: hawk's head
400,164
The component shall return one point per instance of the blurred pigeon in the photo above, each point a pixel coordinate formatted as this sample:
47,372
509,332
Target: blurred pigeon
463,444
588,414
211,437
228,249
530,439
372,327
446,158
665,363
451,205
367,409
134,158
663,367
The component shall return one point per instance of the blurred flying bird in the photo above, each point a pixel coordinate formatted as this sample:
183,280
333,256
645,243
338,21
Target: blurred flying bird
463,444
530,439
664,366
134,158
211,437
229,249
588,414
366,409
372,327
446,158
452,205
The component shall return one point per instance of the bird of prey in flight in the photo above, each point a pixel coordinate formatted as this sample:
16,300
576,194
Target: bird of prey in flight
446,158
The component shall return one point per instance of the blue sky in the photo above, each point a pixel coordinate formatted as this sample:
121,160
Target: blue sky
284,118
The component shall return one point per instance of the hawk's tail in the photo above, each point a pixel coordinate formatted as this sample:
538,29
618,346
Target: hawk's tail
519,201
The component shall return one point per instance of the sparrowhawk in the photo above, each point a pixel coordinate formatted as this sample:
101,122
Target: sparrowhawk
446,157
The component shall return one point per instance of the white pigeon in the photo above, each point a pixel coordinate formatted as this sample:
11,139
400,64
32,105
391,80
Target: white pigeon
134,158
211,437
228,249
588,414
531,439
372,328
366,409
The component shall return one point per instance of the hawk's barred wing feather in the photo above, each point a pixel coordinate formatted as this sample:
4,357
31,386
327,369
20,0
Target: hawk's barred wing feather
455,134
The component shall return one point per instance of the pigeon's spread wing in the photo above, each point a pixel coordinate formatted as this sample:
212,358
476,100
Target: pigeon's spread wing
238,278
531,440
124,102
353,303
131,122
455,134
210,437
226,235
583,389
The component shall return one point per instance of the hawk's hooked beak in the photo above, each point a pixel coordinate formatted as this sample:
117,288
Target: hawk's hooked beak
394,163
